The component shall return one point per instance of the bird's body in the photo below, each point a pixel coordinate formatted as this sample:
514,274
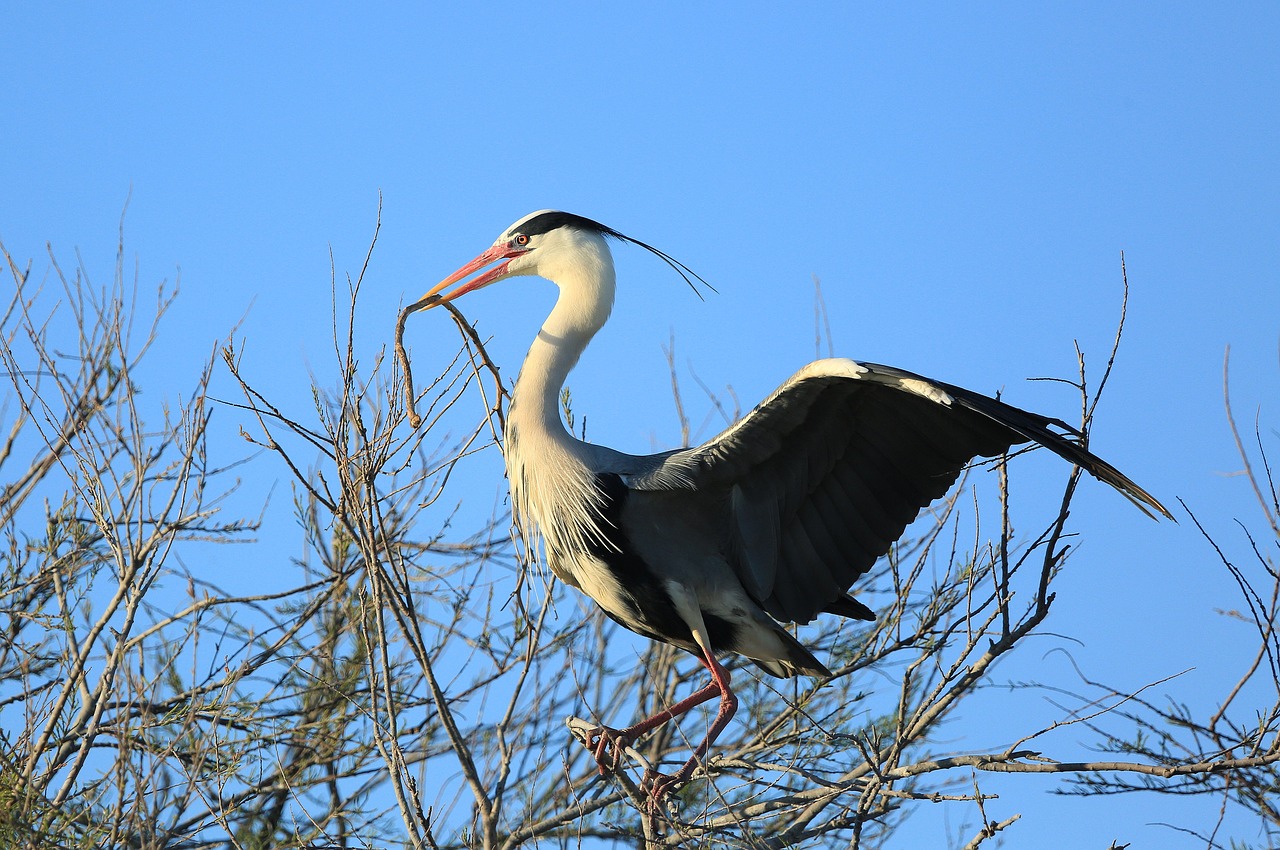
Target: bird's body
714,547
636,537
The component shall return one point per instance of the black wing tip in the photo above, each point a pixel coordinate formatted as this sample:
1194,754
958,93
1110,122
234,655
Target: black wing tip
847,606
1068,445
1108,474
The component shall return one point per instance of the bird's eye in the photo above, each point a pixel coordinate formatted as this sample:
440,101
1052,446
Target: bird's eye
521,239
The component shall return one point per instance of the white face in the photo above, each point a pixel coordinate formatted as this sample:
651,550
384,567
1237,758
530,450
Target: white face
564,248
547,244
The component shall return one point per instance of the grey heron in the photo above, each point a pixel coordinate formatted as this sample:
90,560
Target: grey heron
714,548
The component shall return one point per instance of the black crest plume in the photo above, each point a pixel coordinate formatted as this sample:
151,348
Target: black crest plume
549,221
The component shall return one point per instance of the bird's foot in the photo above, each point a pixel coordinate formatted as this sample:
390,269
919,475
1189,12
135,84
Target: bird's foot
608,745
661,788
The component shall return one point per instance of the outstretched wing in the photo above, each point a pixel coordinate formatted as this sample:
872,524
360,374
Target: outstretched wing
825,474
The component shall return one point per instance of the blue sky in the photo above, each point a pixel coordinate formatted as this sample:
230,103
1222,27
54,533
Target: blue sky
962,179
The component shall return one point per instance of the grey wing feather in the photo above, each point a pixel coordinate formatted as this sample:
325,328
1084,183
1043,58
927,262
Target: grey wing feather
824,475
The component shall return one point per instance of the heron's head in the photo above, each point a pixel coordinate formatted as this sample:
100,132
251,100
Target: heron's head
548,243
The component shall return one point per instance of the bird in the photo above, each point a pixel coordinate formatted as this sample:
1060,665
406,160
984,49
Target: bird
715,548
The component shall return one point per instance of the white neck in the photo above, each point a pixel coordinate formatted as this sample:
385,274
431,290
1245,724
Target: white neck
586,299
546,466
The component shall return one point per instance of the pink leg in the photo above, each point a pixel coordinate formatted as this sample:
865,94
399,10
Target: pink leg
606,738
660,785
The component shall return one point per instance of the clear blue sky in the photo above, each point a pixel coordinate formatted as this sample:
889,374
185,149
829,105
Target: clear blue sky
962,178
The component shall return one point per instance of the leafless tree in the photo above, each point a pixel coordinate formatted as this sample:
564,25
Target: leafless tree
406,681
1232,752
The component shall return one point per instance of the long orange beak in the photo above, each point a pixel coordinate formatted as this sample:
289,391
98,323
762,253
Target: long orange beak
498,272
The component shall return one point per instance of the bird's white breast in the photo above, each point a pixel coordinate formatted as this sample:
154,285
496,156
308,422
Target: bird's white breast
553,493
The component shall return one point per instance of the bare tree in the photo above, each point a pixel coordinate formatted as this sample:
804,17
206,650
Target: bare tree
408,682
1232,753
143,704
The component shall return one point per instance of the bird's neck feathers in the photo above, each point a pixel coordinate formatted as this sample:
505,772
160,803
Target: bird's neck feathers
582,267
551,475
